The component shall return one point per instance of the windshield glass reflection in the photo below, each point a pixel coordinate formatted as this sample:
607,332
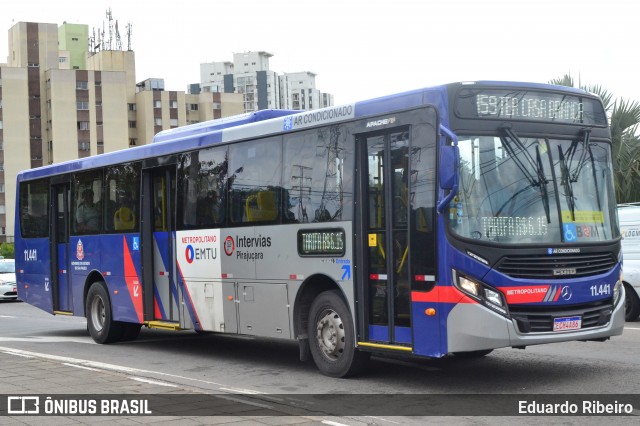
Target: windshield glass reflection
533,190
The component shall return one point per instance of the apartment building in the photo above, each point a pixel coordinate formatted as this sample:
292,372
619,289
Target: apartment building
249,74
59,102
298,91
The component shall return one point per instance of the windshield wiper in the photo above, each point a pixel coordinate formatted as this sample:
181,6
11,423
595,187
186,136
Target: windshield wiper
532,163
566,181
583,156
571,176
543,185
536,165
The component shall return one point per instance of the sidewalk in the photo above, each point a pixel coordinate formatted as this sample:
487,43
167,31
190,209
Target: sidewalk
27,376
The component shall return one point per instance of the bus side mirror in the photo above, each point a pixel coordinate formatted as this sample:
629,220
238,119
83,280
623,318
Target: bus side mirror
449,167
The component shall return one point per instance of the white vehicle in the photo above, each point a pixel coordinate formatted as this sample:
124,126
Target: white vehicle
629,215
8,289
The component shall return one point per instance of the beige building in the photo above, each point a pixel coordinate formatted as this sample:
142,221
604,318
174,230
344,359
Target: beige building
55,106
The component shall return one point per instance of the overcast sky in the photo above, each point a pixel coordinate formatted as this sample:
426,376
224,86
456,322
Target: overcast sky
365,48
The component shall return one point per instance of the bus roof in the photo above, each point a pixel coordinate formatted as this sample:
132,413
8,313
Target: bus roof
222,123
243,126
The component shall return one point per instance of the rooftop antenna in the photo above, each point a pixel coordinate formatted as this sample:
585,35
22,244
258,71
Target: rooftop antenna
129,32
110,27
118,40
109,37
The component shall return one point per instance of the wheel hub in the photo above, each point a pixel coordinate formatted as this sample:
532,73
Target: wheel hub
330,334
97,314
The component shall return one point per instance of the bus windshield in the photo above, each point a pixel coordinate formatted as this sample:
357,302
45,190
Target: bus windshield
516,190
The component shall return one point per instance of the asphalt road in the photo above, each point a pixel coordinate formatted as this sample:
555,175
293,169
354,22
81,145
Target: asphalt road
189,362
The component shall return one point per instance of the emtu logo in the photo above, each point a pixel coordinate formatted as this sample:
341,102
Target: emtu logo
189,253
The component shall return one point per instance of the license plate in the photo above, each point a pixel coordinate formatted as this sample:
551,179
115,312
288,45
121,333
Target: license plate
567,323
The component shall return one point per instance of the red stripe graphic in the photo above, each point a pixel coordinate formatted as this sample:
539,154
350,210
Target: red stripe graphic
156,309
190,300
132,280
441,294
526,294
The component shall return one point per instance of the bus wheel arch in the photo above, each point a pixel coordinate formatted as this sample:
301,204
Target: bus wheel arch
309,290
100,323
93,277
325,328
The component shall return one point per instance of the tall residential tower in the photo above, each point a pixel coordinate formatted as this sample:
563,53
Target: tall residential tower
59,102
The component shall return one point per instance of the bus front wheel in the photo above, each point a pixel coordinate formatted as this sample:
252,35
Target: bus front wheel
631,304
332,337
98,311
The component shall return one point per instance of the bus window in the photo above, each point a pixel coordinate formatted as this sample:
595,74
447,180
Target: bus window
255,175
122,191
34,215
202,178
318,175
87,215
422,201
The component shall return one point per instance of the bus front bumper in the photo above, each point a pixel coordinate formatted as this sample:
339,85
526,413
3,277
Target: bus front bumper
473,327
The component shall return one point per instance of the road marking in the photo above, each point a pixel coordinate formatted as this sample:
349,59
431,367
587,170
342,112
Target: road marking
244,391
242,401
329,422
49,339
102,365
80,366
632,328
153,382
15,354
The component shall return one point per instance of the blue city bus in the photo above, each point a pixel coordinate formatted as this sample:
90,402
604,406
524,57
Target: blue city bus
450,220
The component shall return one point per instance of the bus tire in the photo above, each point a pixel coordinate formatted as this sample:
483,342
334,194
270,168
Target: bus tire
631,304
332,337
101,326
130,331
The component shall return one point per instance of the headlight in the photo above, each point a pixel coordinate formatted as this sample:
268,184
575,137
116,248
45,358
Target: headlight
488,296
617,291
469,286
493,297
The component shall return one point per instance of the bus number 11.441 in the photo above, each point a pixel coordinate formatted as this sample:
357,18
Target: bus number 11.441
31,255
600,290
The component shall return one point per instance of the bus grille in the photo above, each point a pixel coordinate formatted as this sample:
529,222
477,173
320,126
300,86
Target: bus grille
556,267
530,320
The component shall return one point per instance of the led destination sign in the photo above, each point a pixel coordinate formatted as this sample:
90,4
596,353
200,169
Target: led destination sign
321,242
529,105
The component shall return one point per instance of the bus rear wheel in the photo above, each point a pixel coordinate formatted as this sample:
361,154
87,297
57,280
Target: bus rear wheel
130,331
100,324
332,337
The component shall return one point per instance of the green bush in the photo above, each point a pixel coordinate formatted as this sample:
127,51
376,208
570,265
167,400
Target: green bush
7,250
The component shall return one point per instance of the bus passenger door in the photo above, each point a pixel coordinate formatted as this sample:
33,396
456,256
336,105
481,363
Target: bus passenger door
60,286
385,213
161,294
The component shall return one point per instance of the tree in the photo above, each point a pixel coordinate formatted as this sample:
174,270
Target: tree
7,250
624,119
